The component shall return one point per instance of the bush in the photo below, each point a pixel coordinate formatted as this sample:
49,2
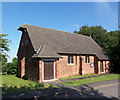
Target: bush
10,68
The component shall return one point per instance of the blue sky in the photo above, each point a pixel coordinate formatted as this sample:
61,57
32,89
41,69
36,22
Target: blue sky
66,16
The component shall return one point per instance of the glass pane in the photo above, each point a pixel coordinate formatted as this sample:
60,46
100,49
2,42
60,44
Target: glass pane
101,66
88,59
72,59
85,59
68,59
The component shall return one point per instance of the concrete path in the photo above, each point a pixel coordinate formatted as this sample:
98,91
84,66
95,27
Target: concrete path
101,90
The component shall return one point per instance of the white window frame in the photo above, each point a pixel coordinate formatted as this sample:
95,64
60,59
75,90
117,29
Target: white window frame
70,61
88,57
53,73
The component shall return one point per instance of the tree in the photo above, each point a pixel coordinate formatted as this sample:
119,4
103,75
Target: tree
113,50
4,48
98,33
107,40
12,67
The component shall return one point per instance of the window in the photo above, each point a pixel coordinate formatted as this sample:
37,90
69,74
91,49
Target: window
76,60
87,59
70,59
101,66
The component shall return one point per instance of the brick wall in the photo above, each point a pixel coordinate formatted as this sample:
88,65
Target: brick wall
106,65
86,68
40,71
65,69
26,51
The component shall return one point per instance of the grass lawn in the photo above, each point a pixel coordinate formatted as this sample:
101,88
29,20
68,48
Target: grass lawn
91,80
11,84
77,76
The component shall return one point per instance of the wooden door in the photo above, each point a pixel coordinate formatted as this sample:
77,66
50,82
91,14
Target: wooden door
95,65
95,69
48,70
80,67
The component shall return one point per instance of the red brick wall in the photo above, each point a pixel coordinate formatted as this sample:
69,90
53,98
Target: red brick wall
40,71
32,70
86,68
56,70
26,51
65,69
106,65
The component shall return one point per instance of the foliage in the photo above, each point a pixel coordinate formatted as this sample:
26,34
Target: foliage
4,64
107,40
4,43
12,67
4,47
93,79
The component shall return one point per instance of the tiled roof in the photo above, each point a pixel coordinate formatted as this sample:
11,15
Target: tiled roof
55,42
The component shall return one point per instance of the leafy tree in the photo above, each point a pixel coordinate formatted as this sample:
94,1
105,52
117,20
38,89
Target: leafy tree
4,47
98,33
107,40
113,50
12,67
3,63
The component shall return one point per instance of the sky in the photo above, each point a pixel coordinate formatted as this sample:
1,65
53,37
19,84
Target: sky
65,16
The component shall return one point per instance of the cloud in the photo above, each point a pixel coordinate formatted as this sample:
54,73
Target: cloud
76,25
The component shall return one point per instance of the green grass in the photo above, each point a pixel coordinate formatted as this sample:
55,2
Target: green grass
77,76
93,79
11,84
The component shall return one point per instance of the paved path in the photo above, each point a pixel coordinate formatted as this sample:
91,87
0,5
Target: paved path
110,90
59,81
93,90
101,90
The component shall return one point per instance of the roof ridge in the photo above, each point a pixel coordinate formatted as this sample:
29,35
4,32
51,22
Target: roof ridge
55,30
40,49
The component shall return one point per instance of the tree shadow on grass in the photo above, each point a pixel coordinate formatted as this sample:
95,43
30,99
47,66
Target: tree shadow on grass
59,93
13,89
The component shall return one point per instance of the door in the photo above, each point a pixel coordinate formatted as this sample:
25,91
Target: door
95,65
48,70
80,67
96,69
